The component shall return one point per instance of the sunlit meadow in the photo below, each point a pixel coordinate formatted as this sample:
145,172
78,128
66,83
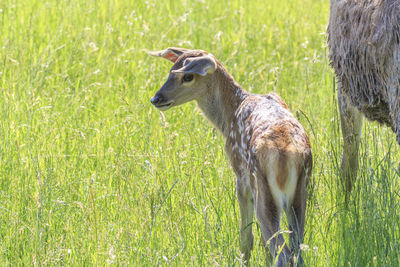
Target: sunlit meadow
92,174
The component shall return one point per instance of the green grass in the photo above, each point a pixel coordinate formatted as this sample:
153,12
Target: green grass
92,174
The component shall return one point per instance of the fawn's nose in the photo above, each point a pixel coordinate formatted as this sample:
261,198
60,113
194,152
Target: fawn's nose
156,99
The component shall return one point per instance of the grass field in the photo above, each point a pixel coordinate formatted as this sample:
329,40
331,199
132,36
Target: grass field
92,174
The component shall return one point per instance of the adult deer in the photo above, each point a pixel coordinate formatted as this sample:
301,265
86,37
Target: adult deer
364,42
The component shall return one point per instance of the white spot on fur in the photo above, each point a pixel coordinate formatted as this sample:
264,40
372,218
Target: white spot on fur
235,146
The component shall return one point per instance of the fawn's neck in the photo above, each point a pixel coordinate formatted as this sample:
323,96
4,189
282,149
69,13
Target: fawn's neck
222,100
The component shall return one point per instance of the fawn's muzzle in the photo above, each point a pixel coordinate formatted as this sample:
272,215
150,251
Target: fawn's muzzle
160,102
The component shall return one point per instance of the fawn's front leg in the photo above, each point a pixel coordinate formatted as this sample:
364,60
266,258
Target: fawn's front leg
246,206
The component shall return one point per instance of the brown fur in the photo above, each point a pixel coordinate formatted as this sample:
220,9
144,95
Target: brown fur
276,149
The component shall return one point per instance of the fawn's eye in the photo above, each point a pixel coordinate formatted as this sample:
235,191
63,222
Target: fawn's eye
187,78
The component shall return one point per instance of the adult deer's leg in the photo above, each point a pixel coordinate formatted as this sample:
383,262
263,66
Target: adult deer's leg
393,91
397,123
246,206
351,121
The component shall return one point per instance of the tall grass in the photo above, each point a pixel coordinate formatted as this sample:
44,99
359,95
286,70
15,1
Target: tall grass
91,174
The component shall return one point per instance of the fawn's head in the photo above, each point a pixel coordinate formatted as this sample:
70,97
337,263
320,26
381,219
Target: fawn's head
188,78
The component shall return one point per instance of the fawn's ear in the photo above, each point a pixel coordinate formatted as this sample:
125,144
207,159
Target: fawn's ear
171,53
202,65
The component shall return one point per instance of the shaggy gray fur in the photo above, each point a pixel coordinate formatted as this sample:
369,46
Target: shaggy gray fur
364,41
364,37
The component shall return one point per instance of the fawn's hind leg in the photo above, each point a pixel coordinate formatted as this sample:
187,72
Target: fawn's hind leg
268,215
296,218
